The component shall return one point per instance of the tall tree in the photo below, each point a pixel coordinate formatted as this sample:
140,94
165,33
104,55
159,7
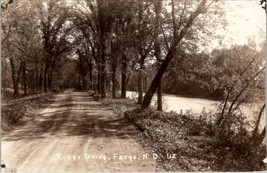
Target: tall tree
180,31
157,45
22,41
55,29
143,41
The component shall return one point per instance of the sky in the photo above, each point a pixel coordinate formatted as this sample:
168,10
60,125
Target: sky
246,20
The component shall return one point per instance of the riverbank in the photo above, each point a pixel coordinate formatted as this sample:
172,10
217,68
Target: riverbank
198,106
184,142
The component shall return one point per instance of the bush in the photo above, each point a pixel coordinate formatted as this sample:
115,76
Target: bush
13,112
196,140
119,106
201,146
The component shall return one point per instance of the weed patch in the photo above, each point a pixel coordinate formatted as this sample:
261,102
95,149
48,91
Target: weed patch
14,112
186,143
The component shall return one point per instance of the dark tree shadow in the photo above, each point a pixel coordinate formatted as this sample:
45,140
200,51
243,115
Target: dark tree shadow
73,116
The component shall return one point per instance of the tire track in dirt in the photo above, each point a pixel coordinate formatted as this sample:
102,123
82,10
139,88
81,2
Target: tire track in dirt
73,135
29,149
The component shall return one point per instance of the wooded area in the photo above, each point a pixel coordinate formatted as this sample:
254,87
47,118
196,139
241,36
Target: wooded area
114,46
107,46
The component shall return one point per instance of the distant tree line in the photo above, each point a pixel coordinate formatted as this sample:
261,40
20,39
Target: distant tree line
113,46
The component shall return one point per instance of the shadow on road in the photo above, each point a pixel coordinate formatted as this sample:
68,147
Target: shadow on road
72,114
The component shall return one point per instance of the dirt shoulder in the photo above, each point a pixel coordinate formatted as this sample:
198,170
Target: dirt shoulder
74,134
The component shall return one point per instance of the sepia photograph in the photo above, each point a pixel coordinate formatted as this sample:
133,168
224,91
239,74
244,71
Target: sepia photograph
133,86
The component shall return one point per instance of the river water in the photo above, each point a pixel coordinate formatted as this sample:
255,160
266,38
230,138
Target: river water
178,103
195,105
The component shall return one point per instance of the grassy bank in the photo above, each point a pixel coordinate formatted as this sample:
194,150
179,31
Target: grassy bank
16,111
186,143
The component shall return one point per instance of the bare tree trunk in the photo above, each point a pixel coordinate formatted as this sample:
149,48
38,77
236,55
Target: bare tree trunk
4,85
24,79
91,75
84,83
50,80
103,82
114,73
79,82
102,30
259,138
140,82
142,58
123,76
36,78
157,48
41,78
159,92
114,81
156,81
99,80
113,84
255,131
140,87
21,83
45,77
108,84
145,83
15,76
103,71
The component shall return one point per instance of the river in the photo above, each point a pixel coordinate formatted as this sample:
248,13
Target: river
195,105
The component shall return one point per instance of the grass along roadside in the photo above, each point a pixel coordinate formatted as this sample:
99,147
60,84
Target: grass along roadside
15,112
186,143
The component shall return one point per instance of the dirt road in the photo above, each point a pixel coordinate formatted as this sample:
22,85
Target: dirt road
74,134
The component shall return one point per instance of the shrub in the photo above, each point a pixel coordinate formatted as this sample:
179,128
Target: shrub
200,144
14,111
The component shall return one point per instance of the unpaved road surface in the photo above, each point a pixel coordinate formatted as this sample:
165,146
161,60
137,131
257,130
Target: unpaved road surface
74,134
